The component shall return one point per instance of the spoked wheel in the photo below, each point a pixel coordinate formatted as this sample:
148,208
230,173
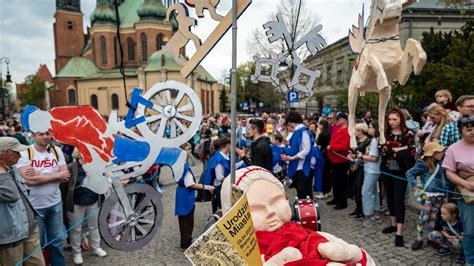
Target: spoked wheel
175,115
137,230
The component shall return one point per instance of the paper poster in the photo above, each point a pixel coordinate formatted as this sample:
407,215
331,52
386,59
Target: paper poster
230,241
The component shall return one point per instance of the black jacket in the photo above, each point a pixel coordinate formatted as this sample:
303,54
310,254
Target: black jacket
260,154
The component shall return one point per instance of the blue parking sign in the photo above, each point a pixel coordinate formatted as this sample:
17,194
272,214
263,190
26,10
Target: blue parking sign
293,97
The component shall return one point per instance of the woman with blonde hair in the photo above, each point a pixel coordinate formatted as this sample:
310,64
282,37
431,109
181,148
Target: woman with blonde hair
446,132
357,172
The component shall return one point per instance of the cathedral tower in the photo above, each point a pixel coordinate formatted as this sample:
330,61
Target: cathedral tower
68,31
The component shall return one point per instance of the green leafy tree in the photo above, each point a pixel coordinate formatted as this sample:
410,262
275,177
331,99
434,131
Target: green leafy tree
450,66
35,92
247,91
462,5
223,100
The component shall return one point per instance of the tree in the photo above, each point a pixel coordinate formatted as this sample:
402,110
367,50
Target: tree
223,99
462,5
258,43
35,91
450,66
299,21
247,91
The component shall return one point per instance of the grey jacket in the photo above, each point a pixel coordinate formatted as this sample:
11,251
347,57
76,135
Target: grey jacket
14,226
67,188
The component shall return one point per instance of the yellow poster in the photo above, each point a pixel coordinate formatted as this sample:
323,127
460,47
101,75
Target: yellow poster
230,241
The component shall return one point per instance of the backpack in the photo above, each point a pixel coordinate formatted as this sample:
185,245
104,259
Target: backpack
49,148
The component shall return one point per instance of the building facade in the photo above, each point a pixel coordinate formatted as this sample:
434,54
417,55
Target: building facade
89,66
335,61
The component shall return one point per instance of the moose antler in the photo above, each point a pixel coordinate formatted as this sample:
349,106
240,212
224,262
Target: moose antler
356,35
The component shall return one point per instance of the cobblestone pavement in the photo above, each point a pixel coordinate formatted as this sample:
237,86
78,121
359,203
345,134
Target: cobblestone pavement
380,246
164,248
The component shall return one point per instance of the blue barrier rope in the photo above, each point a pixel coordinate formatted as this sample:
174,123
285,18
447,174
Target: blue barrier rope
143,180
59,236
398,177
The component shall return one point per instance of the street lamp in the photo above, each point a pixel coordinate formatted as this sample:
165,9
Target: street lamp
4,93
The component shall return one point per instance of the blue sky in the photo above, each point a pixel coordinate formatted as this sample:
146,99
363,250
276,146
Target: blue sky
26,30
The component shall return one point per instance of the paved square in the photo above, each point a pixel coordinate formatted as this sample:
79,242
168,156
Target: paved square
164,248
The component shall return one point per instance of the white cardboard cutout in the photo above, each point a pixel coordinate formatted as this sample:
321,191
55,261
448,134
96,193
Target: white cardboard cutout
99,145
381,59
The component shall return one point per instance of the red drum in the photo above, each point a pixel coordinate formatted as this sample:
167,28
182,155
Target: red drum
306,214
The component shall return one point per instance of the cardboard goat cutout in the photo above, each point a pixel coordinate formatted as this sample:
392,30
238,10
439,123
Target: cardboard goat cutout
380,58
155,127
277,30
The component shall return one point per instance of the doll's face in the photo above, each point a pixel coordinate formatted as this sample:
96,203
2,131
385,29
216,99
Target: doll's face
268,205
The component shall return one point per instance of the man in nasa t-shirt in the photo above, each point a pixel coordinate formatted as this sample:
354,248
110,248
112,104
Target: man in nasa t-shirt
43,167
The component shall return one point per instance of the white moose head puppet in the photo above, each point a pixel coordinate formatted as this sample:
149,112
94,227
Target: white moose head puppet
380,58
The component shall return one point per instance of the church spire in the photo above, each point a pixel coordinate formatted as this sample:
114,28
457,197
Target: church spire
69,5
152,9
104,12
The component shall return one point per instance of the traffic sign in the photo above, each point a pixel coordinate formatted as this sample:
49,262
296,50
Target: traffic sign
293,97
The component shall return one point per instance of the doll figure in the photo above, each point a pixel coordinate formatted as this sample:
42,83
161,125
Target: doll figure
282,242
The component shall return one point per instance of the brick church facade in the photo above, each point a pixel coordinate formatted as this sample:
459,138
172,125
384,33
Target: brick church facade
88,65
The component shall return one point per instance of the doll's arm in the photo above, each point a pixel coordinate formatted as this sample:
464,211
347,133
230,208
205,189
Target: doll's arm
287,255
337,250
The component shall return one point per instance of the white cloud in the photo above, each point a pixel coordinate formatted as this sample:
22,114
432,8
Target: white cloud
26,30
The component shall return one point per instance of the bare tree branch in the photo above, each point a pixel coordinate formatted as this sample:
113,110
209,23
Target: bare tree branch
297,27
308,19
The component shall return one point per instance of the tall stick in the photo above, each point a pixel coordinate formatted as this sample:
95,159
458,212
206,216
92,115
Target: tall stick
233,92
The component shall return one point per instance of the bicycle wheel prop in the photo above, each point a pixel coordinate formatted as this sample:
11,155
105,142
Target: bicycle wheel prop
175,115
138,229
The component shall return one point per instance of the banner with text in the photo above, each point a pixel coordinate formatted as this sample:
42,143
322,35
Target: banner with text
230,241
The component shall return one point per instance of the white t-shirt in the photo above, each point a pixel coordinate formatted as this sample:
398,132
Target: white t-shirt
46,195
373,167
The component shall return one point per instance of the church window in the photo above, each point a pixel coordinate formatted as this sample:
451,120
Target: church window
71,96
144,47
130,49
115,50
115,101
103,50
94,101
159,42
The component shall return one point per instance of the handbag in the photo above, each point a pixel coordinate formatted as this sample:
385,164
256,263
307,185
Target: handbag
467,194
405,160
203,195
419,192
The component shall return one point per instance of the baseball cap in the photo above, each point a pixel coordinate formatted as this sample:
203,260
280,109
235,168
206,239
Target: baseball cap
341,115
9,143
466,121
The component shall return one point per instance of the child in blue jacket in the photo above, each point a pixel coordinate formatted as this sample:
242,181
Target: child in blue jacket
428,179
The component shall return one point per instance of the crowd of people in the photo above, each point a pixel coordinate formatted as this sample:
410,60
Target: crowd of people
41,194
431,157
311,154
